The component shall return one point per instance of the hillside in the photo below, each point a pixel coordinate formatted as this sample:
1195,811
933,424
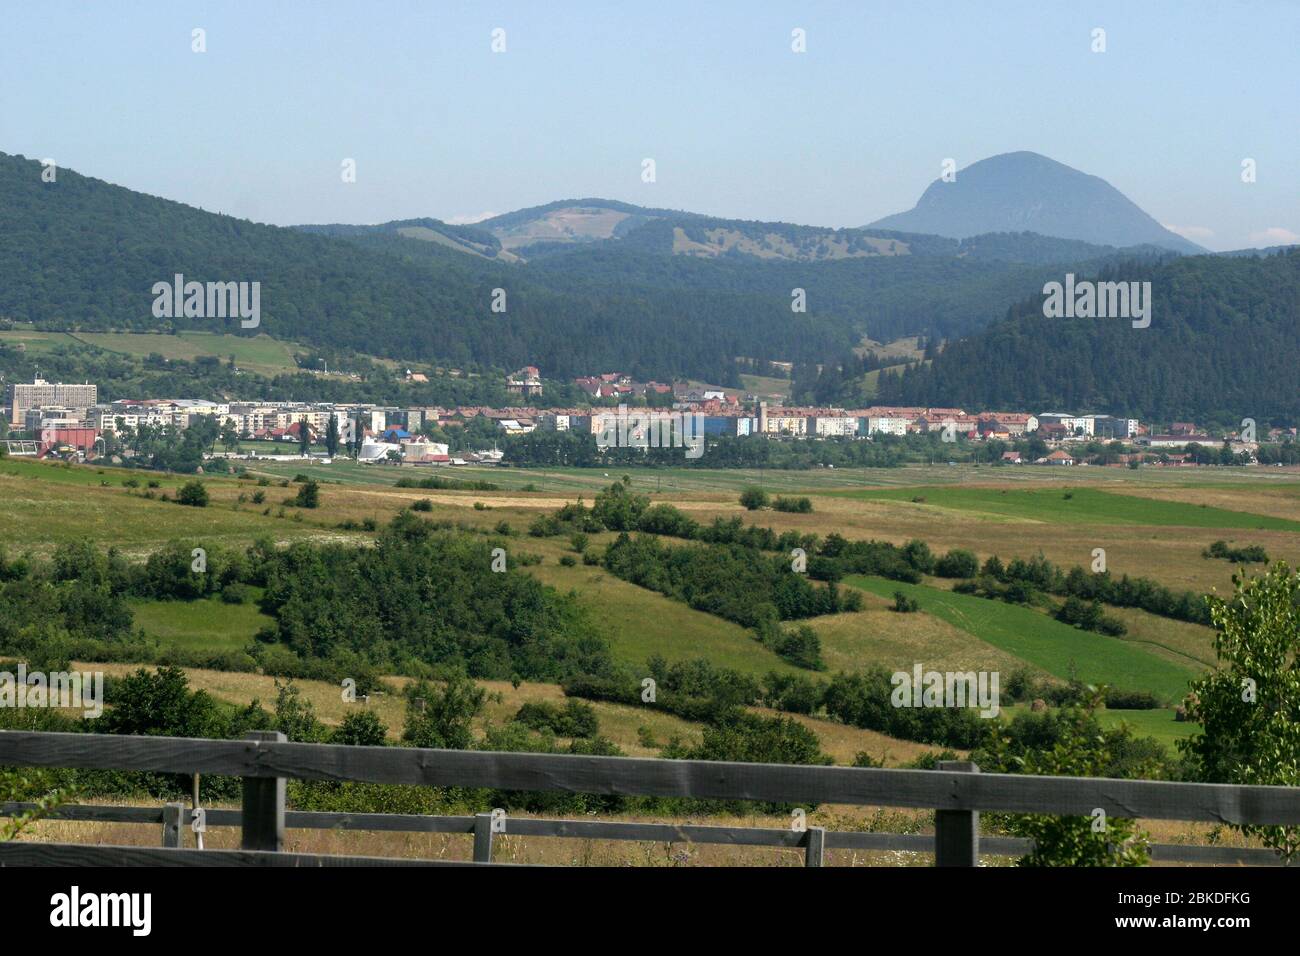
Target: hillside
82,254
1222,345
657,293
1021,191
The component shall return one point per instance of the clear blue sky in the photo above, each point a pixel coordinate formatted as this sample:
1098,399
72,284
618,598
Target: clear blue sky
738,124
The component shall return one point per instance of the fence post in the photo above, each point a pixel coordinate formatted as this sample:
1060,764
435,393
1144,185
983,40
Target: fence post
814,846
957,832
263,806
482,838
172,815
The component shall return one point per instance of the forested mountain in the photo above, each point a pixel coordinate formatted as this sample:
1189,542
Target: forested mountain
80,253
1223,344
1027,191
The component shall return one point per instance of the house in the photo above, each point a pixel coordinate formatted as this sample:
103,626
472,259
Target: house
526,382
1058,457
1014,423
1012,458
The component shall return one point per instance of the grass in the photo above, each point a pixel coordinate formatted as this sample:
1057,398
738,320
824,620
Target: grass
1159,724
1043,642
1076,505
207,625
260,353
639,623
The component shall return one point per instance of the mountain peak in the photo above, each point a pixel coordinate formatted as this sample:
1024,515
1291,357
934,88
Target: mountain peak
1025,191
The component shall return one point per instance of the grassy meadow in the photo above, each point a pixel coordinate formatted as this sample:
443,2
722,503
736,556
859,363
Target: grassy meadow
1151,523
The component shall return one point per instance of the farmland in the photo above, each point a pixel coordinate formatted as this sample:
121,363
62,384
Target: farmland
1152,525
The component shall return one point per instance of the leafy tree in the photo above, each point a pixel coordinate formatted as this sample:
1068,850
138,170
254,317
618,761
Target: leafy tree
332,437
295,717
1078,748
754,499
308,495
194,494
441,717
1249,707
361,728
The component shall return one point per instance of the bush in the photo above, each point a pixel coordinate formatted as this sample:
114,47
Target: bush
574,719
568,560
795,505
235,593
801,647
308,495
753,499
957,563
904,604
193,493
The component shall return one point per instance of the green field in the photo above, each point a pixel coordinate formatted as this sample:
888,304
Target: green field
208,624
1159,724
1044,642
1076,505
260,354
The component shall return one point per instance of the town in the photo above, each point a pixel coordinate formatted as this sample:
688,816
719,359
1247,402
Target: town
67,421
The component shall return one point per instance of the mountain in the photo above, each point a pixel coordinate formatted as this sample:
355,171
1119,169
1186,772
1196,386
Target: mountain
467,239
1025,191
80,253
1222,346
591,285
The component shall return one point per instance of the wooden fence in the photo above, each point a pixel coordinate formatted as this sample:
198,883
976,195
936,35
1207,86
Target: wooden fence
957,791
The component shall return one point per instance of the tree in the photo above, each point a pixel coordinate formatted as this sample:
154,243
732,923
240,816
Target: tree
308,495
332,436
304,436
1249,707
442,718
753,498
1081,749
361,728
193,494
229,435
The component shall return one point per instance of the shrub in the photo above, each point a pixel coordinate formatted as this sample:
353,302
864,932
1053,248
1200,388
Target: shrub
957,563
574,719
794,505
424,504
753,499
235,593
802,647
193,493
568,560
904,604
308,495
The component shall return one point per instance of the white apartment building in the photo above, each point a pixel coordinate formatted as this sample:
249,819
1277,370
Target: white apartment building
886,425
834,426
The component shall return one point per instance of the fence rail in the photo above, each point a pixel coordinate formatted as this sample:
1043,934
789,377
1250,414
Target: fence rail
609,830
957,791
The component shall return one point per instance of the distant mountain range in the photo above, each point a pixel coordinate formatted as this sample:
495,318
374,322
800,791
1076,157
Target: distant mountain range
591,284
1027,192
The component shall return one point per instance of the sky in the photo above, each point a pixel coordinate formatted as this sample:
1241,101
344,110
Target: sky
738,124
